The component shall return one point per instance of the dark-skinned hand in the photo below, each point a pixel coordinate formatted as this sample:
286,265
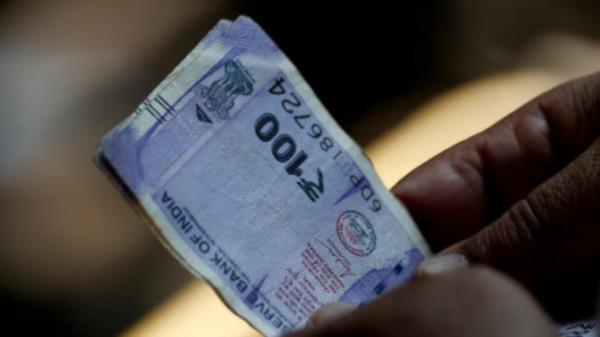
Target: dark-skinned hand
522,197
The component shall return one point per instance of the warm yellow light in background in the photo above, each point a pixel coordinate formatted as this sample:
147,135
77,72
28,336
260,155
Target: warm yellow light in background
194,311
452,117
197,311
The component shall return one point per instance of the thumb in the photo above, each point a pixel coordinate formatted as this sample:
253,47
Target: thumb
329,313
558,220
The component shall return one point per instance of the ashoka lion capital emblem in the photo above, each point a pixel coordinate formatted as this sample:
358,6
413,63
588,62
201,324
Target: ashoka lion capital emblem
221,94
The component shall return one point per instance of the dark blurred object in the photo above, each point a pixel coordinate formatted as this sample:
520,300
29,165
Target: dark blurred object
25,318
355,54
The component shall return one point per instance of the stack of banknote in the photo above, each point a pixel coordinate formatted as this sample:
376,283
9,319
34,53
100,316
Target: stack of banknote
243,175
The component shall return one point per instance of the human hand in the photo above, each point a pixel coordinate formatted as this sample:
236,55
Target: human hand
523,196
462,303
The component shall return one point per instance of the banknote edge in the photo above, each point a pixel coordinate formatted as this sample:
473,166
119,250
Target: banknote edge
229,298
396,207
205,274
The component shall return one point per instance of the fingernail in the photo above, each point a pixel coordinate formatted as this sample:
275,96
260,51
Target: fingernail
442,263
329,312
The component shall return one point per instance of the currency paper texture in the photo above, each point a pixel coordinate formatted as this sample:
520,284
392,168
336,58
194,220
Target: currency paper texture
247,180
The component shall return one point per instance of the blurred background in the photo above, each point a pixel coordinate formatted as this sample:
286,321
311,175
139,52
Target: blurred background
405,81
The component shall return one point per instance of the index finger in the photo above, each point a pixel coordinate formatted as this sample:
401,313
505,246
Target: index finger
459,191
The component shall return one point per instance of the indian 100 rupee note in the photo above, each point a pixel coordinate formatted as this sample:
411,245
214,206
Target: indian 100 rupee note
244,176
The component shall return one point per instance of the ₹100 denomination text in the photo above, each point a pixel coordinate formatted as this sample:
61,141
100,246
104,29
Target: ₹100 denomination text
248,181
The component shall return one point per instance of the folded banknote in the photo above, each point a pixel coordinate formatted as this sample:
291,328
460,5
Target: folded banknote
247,180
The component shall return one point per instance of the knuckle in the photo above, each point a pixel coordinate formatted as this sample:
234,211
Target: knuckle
521,224
592,172
572,111
584,181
